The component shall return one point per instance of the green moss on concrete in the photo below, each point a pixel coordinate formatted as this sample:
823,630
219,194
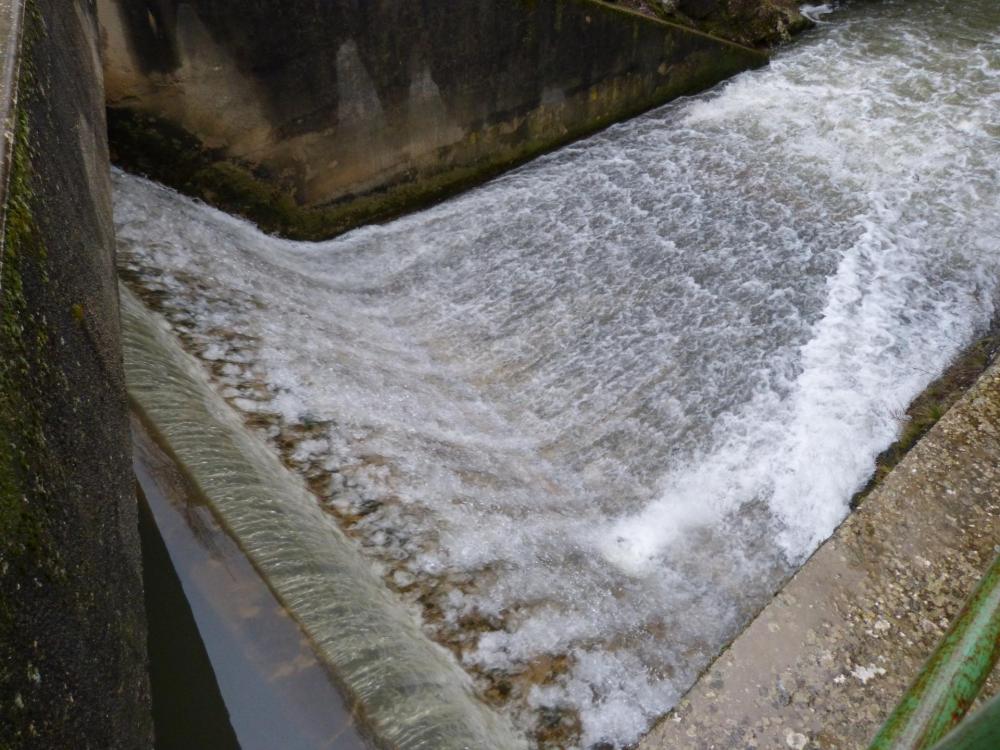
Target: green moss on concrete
21,338
149,145
26,373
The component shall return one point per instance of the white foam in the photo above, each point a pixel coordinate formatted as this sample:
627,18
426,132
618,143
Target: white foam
603,405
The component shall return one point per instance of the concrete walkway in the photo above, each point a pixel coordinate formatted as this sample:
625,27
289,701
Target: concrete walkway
826,661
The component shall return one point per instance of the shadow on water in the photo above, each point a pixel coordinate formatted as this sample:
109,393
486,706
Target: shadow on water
230,670
188,710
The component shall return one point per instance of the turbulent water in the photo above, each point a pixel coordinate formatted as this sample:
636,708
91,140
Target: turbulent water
587,417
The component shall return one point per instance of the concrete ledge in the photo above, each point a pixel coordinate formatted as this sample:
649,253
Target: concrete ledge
828,659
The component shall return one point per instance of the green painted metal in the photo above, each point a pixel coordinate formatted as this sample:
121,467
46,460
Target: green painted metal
953,676
980,731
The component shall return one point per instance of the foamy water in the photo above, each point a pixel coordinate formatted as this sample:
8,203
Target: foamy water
586,418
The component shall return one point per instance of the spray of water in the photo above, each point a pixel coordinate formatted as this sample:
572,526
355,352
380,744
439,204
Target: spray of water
586,418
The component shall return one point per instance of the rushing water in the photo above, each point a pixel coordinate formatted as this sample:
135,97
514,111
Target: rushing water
406,691
587,417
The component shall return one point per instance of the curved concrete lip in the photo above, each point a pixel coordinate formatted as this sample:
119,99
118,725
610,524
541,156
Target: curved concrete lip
408,692
259,657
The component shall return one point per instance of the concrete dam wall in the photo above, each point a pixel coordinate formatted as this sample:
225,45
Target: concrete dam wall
72,628
324,116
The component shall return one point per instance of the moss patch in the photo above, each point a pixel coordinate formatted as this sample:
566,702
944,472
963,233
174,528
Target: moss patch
21,339
928,408
149,145
29,475
152,146
71,640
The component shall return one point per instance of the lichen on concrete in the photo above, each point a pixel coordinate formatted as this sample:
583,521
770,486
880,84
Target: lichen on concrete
27,552
23,339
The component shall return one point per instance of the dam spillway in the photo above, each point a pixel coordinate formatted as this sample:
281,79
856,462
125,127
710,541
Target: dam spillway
586,418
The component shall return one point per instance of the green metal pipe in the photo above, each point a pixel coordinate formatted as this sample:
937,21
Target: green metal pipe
980,731
953,676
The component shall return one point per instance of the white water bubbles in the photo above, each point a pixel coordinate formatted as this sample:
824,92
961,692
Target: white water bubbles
815,13
587,417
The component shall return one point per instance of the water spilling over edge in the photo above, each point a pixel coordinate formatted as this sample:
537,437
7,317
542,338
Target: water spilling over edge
587,417
409,690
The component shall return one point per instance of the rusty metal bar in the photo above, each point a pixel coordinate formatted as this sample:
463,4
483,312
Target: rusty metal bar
953,676
979,731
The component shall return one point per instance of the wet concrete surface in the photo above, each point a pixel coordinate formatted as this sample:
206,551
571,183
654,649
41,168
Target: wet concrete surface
828,659
275,691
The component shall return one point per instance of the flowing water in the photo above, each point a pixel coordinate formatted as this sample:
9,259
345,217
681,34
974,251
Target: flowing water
405,690
586,418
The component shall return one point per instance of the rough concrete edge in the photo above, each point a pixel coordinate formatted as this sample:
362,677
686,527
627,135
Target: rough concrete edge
881,495
762,53
11,34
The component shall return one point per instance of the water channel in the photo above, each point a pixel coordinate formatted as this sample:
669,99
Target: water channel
585,419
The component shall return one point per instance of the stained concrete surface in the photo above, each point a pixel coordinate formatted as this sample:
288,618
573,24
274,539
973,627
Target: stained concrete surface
328,115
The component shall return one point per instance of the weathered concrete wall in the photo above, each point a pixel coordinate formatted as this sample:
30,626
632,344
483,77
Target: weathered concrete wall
72,629
314,117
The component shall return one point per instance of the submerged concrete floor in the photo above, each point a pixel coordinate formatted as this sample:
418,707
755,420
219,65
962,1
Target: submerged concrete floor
830,656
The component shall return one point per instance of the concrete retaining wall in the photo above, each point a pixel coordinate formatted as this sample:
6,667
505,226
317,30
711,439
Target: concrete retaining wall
316,117
72,628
